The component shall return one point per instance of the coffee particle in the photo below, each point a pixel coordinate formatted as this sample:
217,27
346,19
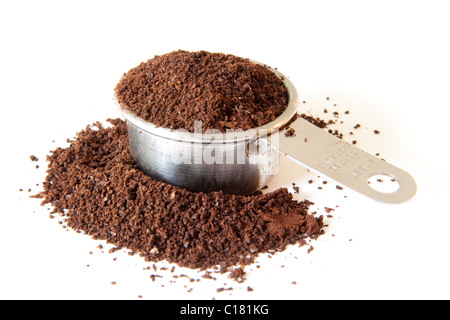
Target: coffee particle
289,133
316,121
207,275
154,276
237,274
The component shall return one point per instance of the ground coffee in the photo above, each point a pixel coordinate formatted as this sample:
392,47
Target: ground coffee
99,191
95,184
221,90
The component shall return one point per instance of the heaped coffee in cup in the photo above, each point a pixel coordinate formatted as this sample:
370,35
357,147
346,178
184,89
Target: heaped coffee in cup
222,91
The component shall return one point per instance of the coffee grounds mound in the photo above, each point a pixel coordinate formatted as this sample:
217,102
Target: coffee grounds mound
221,90
99,191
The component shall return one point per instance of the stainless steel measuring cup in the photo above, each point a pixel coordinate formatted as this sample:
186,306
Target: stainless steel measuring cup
242,162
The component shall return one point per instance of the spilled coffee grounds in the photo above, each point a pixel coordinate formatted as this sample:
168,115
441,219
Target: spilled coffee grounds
221,90
96,186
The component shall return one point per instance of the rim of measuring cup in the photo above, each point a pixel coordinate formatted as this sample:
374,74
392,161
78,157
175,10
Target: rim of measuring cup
235,135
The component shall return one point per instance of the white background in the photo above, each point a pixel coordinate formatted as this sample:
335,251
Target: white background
385,61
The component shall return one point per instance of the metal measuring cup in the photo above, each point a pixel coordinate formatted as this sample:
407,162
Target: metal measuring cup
242,162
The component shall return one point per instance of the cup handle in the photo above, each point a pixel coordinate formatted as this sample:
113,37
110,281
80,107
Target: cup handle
348,165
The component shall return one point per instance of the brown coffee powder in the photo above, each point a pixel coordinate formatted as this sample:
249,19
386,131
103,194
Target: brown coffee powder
95,185
87,182
221,90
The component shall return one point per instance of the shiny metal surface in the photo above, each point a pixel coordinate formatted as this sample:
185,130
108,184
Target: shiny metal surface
183,164
344,163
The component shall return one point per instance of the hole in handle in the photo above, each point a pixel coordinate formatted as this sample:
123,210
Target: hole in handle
383,183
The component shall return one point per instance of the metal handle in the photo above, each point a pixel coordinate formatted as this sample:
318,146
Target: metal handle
343,162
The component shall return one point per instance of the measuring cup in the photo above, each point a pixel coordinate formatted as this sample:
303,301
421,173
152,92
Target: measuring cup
242,162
